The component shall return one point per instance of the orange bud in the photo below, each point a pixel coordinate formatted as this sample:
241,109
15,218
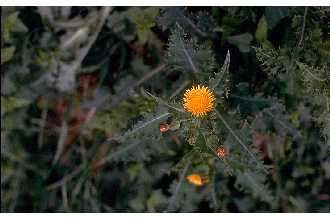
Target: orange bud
221,151
164,127
197,179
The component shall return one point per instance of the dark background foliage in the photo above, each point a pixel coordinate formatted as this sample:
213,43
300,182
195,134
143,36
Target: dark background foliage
79,132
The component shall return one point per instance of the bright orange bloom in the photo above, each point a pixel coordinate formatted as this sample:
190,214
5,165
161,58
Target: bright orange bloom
198,100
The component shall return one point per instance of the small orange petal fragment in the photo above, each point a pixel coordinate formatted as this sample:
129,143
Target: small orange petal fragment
197,179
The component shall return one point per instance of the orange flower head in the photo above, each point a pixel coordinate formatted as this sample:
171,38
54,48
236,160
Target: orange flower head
197,179
198,100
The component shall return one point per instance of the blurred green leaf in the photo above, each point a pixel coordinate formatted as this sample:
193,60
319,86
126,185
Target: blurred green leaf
12,24
275,14
242,41
9,104
155,200
144,20
261,32
7,54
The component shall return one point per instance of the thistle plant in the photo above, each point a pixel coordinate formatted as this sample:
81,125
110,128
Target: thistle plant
195,117
177,109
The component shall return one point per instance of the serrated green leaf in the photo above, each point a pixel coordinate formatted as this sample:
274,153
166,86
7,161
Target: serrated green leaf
255,183
220,76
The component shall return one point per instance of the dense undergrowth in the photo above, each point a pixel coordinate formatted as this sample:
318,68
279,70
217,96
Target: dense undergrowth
92,115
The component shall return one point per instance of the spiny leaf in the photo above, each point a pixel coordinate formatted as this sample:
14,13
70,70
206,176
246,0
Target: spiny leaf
254,182
314,79
238,139
147,126
185,54
177,187
272,61
200,23
115,120
221,76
